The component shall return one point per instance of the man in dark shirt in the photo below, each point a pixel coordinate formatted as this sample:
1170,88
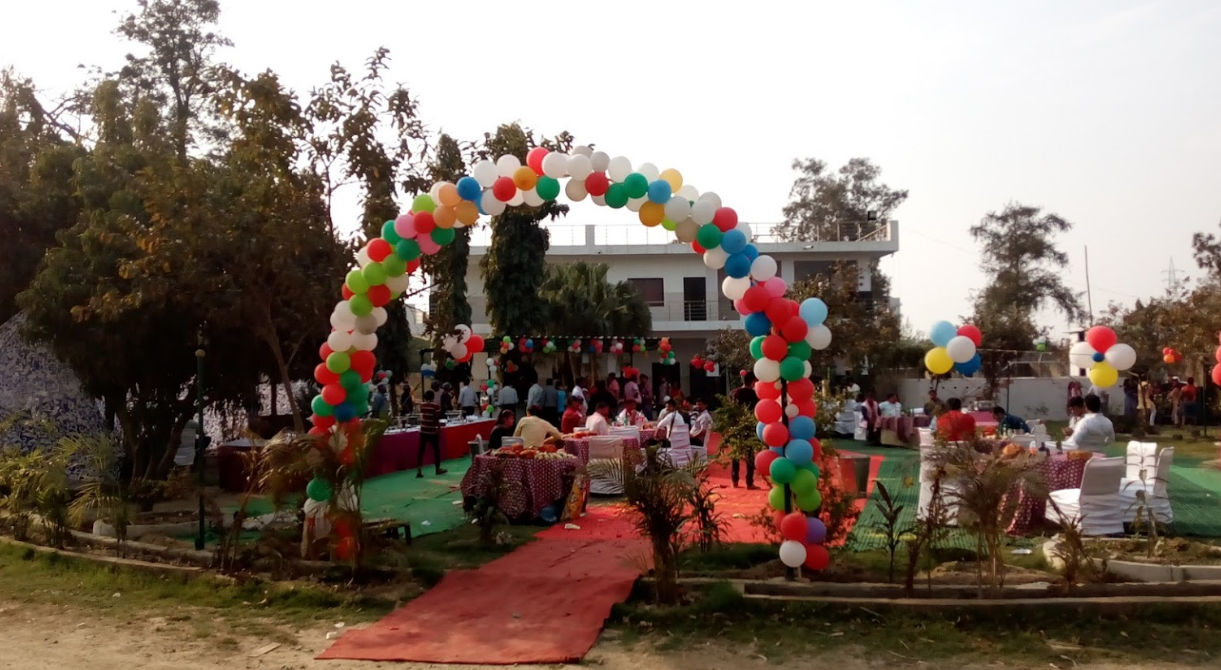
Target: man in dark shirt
430,432
746,397
551,402
1011,422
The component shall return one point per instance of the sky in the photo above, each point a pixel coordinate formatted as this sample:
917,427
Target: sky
1107,113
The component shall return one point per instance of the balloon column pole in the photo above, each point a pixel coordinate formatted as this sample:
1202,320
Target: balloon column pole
789,573
200,441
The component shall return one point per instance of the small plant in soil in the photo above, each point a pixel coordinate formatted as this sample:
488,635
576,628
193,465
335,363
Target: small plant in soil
890,526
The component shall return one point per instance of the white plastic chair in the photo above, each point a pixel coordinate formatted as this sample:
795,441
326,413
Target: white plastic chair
1140,456
604,452
1096,504
626,431
927,439
1153,483
948,487
680,452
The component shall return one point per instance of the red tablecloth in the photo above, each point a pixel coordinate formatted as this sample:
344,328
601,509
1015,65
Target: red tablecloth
1059,472
579,447
904,426
400,450
530,484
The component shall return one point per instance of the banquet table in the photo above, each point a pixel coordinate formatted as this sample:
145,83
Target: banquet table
579,446
1059,472
903,428
531,484
400,449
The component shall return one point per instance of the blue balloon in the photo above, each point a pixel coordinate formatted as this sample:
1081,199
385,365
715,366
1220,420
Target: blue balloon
757,323
752,252
529,344
344,411
733,242
1099,357
779,451
469,189
813,311
737,265
942,332
801,452
801,427
659,192
759,430
816,530
970,367
549,514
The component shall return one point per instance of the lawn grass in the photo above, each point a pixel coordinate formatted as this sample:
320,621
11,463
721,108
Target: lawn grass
429,557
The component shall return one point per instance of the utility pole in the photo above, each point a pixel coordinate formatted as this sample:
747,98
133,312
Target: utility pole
201,441
1172,278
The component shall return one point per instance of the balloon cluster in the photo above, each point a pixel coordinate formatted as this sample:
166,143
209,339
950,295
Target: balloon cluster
596,346
616,347
667,352
525,345
462,344
1216,374
639,346
707,365
1170,356
630,371
1102,356
506,344
548,346
953,349
574,347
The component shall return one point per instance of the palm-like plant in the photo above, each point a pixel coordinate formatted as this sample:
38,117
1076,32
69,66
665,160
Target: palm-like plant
581,301
101,492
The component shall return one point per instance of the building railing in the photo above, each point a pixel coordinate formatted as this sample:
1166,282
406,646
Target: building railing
578,235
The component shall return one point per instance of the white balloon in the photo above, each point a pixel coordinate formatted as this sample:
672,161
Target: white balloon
366,324
339,340
734,287
791,410
340,322
459,351
767,370
491,206
506,165
582,150
575,190
485,173
599,200
491,362
703,211
1121,356
1081,355
792,553
517,199
532,198
448,342
809,369
677,208
649,171
819,337
715,258
380,316
619,168
713,198
362,257
435,192
398,284
961,348
555,164
763,268
635,204
580,166
364,341
343,309
689,193
686,230
464,333
600,161
745,228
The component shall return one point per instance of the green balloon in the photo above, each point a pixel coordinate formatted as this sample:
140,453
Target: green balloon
361,305
356,282
668,224
547,188
637,185
423,203
449,364
350,379
443,236
394,266
375,274
800,350
319,489
804,483
360,406
389,234
783,470
338,361
756,347
792,369
321,407
408,250
775,498
709,236
811,502
616,196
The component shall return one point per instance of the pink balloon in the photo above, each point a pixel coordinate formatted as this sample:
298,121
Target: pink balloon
742,309
775,287
404,226
427,246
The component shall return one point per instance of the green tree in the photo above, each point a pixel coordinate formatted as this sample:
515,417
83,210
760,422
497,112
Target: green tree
448,305
865,330
833,206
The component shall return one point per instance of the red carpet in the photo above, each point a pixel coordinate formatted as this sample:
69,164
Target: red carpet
544,603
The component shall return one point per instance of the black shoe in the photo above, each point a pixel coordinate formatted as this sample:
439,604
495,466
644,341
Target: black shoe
441,471
752,487
419,474
735,483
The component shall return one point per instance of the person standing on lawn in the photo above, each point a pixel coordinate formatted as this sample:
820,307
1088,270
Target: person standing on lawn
468,399
746,397
430,433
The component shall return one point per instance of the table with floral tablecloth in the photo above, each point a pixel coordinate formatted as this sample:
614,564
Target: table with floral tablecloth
1058,471
579,446
530,484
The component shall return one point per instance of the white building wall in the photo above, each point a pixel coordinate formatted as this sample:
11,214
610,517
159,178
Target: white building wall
1028,397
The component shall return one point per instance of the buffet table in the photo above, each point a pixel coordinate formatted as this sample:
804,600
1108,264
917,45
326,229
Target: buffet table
579,446
399,449
900,431
530,484
1059,472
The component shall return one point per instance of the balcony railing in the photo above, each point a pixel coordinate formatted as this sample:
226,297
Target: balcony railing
578,235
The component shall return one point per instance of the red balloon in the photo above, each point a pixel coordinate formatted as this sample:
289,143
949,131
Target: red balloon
767,390
318,431
775,434
793,526
972,332
535,159
379,295
596,183
323,375
696,361
756,298
412,266
817,449
334,394
740,307
775,348
379,249
802,389
363,362
1218,354
817,557
763,460
475,344
709,366
806,408
725,219
342,527
1217,374
793,330
778,311
768,411
698,248
324,351
346,292
423,223
503,189
322,421
345,548
1100,338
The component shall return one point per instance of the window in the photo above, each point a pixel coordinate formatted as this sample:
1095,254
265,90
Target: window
651,289
695,299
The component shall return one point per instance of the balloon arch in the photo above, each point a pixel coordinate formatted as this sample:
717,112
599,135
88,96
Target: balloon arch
784,331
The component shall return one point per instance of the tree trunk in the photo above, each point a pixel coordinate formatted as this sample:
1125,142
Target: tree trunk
273,343
665,571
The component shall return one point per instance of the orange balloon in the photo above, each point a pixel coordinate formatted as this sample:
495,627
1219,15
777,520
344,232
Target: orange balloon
652,213
448,194
525,178
672,177
467,212
445,217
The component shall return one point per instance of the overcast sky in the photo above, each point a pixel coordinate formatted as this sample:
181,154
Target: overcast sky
1107,113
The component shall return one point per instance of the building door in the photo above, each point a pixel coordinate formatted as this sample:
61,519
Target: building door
695,299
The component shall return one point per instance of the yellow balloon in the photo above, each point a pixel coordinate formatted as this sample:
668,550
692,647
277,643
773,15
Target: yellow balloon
444,217
467,212
525,178
672,177
652,213
938,361
1103,375
448,194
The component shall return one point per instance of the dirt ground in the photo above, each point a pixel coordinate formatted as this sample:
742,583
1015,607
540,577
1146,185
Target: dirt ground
44,637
